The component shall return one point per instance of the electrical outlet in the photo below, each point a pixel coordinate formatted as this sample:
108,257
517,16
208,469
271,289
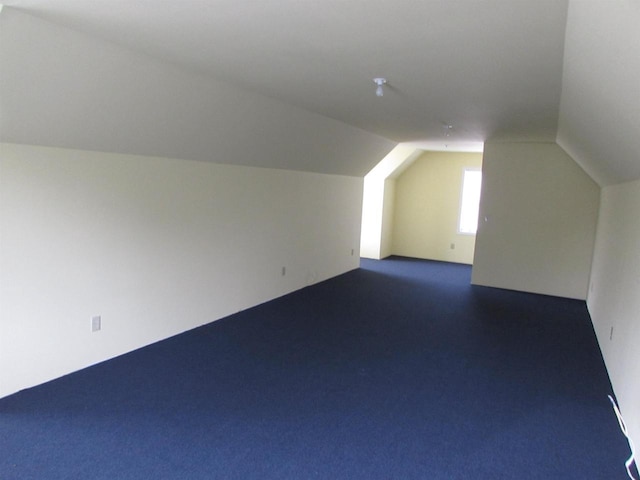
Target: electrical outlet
452,246
96,323
352,252
284,271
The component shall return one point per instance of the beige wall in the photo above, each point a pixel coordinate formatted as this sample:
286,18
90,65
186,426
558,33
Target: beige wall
427,204
541,211
155,246
614,295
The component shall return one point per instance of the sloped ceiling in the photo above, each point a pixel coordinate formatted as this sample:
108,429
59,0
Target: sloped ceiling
493,69
599,121
61,88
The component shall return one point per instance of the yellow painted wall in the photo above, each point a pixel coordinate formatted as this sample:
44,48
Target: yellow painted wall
427,204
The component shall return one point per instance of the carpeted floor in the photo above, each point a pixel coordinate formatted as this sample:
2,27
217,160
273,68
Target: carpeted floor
398,370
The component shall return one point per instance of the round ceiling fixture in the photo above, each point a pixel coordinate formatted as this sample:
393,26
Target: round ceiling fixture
379,82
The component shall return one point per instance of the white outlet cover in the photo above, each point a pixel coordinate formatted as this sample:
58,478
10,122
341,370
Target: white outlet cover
96,323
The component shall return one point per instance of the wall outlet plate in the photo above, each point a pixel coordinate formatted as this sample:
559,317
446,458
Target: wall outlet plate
96,323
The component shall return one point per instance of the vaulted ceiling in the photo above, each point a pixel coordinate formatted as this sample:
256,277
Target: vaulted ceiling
498,70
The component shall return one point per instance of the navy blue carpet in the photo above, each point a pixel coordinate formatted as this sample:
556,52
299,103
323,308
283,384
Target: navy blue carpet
398,370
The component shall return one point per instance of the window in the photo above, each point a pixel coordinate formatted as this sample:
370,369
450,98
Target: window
470,203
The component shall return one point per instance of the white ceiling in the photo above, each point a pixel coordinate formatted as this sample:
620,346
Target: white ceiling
289,83
491,68
599,119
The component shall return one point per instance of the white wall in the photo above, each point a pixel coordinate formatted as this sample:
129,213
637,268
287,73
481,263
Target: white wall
377,204
155,246
371,226
388,214
427,207
541,211
614,295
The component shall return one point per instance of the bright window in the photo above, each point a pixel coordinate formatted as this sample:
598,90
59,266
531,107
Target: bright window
470,203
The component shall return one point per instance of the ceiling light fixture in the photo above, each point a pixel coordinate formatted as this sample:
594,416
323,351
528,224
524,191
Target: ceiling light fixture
379,82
